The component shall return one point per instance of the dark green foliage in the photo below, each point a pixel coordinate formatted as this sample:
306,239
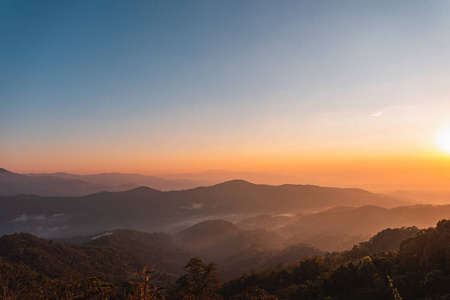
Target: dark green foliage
385,240
254,293
199,282
419,270
115,257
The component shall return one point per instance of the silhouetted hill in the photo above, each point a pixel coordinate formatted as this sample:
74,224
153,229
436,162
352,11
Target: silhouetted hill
4,171
113,255
149,210
49,258
205,234
155,250
385,240
286,198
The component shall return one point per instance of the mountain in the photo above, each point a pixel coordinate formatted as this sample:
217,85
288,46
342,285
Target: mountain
79,185
217,176
205,234
353,225
148,210
45,185
425,197
419,269
385,240
156,250
117,254
65,184
367,219
234,250
266,222
114,255
133,180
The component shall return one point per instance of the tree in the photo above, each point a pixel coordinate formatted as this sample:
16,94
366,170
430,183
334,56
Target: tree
12,281
199,282
146,289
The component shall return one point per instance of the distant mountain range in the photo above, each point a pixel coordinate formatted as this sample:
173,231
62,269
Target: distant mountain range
46,185
151,210
65,184
439,197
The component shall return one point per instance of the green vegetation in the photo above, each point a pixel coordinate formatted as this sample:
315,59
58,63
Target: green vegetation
419,270
199,282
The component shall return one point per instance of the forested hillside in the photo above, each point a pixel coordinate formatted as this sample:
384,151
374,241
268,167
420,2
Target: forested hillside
420,269
33,268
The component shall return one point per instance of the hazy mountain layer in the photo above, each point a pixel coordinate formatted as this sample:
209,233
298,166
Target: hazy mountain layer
151,210
45,185
65,184
134,180
339,228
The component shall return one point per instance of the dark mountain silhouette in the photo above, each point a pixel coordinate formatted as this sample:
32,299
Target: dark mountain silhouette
4,171
150,210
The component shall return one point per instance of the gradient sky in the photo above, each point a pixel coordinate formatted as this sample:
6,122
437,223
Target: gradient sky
349,88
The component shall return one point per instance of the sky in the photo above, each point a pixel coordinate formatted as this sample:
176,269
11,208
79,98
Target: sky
335,92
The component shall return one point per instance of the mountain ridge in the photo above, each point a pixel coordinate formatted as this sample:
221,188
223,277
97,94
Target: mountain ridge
147,209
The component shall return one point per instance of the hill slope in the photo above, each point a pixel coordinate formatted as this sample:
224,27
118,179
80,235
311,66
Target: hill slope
149,210
419,270
114,256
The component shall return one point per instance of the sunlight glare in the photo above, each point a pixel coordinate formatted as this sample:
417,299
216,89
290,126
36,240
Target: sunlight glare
443,140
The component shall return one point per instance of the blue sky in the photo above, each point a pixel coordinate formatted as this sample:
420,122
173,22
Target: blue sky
183,78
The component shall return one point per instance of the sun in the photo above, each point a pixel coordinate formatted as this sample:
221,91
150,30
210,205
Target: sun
443,140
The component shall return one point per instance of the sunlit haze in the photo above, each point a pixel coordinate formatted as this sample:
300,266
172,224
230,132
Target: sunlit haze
335,93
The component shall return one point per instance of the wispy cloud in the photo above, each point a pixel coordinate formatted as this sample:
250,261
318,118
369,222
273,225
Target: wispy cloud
26,218
376,114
